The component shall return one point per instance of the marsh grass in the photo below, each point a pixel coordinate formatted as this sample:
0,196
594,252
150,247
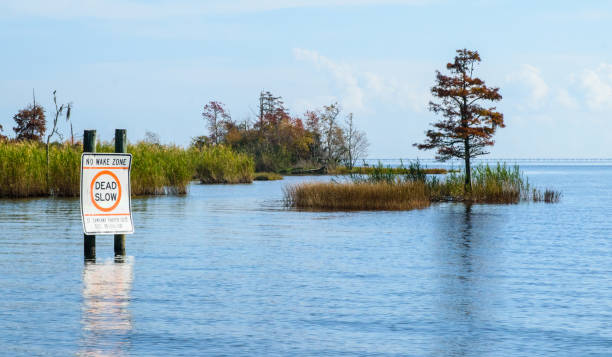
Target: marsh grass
156,169
380,173
22,169
497,184
160,169
368,170
220,164
357,196
267,176
384,189
500,184
64,170
548,196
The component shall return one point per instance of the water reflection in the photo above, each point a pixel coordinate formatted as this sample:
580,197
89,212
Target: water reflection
466,241
106,320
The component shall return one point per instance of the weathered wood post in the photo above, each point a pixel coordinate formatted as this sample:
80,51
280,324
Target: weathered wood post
120,147
89,246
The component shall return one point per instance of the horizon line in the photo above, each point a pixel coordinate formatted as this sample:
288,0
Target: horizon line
504,158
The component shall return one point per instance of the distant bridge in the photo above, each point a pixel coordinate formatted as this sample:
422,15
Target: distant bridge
539,161
499,159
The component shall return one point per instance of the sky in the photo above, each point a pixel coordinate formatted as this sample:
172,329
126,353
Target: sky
152,65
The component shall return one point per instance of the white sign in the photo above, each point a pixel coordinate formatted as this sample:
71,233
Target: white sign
106,206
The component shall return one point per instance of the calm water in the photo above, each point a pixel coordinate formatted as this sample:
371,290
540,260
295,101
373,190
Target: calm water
227,271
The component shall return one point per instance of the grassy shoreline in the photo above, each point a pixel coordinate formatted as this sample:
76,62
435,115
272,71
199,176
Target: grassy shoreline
357,170
267,176
168,169
156,170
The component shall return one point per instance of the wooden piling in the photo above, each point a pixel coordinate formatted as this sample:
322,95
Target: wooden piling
89,244
120,147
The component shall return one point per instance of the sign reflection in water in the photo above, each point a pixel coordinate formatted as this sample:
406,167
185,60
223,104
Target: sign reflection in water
106,320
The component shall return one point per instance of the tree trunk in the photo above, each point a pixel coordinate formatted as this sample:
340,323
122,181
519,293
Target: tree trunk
47,152
349,164
215,132
467,188
261,112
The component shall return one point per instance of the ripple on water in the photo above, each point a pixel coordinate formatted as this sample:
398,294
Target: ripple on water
226,270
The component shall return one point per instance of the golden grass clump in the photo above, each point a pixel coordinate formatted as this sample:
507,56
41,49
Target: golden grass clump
357,196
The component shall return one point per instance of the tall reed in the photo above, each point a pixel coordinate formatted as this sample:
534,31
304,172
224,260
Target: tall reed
156,169
413,167
548,196
64,169
220,164
498,184
22,169
159,169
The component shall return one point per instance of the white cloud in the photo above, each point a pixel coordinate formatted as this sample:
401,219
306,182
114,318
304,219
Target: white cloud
565,99
588,89
597,85
530,77
393,91
360,88
122,9
343,75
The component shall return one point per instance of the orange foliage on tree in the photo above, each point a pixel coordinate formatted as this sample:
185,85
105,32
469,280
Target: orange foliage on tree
279,141
216,117
466,127
31,123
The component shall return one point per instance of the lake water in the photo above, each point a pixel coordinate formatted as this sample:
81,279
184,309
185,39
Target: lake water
226,270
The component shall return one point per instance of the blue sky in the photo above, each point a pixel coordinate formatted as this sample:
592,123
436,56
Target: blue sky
152,65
